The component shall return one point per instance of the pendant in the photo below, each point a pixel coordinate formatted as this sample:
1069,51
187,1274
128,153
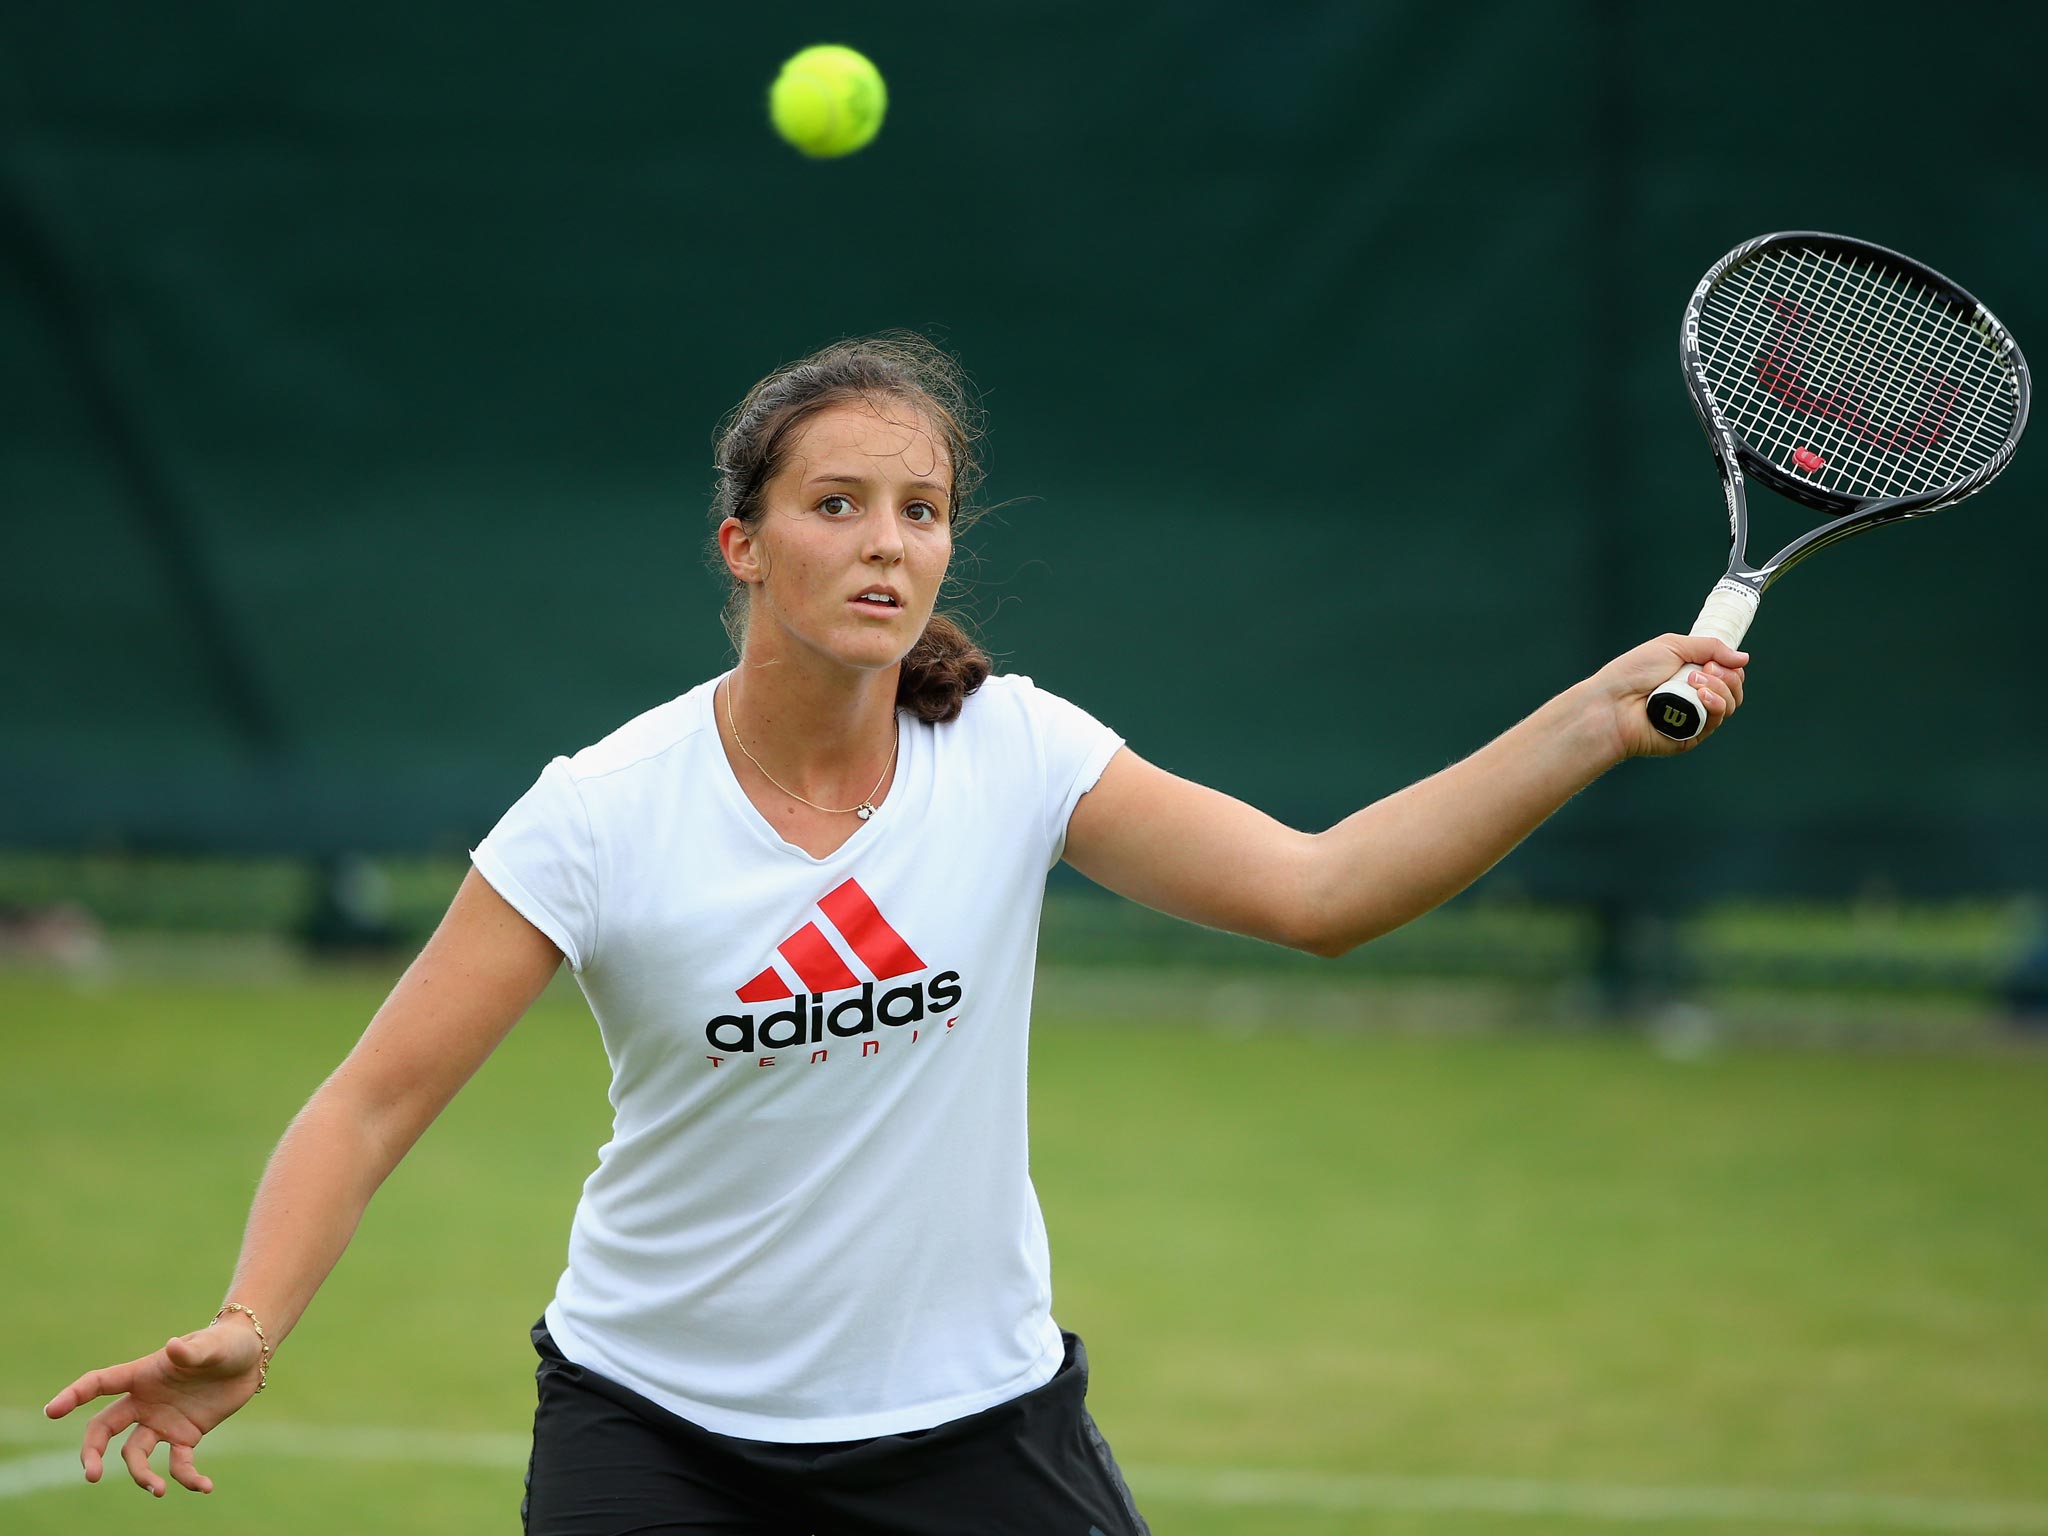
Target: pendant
864,810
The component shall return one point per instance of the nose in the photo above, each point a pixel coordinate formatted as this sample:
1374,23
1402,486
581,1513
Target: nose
881,538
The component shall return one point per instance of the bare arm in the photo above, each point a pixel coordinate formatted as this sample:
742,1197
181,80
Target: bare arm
478,974
476,977
1199,854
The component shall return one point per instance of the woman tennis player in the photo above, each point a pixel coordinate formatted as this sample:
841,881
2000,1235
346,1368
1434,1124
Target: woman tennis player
807,1288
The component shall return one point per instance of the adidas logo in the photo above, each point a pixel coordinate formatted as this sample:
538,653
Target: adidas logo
817,964
820,969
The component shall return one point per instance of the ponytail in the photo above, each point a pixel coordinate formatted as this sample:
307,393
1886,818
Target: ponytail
941,670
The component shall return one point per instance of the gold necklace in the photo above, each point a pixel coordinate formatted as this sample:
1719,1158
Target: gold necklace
864,810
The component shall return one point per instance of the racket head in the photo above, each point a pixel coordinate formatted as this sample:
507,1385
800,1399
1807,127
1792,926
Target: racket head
1851,379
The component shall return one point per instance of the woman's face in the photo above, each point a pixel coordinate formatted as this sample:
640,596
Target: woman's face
862,503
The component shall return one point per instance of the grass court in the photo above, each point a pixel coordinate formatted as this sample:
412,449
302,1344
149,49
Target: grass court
1439,1282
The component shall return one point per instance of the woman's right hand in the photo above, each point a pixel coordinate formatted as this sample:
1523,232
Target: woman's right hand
172,1397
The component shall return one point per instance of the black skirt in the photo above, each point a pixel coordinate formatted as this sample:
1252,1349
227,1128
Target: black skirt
608,1462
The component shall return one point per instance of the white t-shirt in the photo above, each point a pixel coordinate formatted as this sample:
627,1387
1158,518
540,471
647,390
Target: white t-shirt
814,1219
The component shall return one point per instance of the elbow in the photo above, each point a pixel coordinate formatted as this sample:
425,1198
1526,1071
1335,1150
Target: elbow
1327,946
1317,927
1331,934
1333,940
1335,913
1315,932
1308,926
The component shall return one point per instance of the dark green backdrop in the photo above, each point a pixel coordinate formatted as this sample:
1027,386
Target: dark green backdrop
358,368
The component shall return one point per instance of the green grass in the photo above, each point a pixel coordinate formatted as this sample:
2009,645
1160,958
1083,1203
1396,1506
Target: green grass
1546,1255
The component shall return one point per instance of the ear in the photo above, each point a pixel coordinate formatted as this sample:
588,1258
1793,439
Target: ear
742,552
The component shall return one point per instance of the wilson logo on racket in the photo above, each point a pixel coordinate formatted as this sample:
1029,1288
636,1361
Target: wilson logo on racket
821,970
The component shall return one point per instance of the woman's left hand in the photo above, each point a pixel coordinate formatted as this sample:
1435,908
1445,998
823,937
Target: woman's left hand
1622,688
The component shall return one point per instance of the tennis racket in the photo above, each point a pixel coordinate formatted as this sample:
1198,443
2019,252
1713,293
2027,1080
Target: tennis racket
1849,378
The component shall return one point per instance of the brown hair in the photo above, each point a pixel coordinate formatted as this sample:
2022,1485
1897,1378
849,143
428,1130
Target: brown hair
754,441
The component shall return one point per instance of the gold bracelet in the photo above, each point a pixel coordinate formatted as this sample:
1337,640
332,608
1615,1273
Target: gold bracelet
263,1359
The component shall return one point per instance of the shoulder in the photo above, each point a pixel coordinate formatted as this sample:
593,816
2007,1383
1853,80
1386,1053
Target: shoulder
1006,694
1011,712
1006,703
999,691
645,740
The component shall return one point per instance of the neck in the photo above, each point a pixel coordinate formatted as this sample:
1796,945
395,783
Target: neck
825,735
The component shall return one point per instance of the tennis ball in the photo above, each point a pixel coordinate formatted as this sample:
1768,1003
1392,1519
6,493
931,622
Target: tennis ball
828,101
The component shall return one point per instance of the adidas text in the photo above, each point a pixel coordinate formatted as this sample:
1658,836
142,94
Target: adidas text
809,1020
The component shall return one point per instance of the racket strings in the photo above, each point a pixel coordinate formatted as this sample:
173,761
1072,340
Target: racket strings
1819,356
1812,320
1854,376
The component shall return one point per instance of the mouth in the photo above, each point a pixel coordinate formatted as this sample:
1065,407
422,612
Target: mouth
876,600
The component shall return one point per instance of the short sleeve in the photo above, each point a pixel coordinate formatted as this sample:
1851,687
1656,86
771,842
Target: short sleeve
542,858
1075,747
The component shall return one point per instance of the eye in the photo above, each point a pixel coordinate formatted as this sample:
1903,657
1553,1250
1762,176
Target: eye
834,505
923,512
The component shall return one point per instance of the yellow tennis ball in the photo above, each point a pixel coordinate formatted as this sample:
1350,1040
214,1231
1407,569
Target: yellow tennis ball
828,101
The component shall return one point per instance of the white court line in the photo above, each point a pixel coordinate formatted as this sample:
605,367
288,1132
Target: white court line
436,1447
1379,1493
1585,1501
32,1474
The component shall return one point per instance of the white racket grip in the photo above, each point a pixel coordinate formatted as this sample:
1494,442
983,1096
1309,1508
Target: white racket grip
1675,707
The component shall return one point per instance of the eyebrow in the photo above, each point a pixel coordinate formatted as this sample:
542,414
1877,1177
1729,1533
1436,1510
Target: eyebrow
863,480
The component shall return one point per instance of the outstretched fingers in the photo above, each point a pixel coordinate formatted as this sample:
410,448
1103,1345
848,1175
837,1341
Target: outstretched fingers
186,1470
101,1428
112,1378
135,1451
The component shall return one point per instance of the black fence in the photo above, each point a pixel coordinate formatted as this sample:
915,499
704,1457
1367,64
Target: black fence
360,367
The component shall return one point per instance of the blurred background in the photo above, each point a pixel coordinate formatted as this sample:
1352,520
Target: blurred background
358,374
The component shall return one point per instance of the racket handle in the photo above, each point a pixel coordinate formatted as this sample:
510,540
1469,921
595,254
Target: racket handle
1675,707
